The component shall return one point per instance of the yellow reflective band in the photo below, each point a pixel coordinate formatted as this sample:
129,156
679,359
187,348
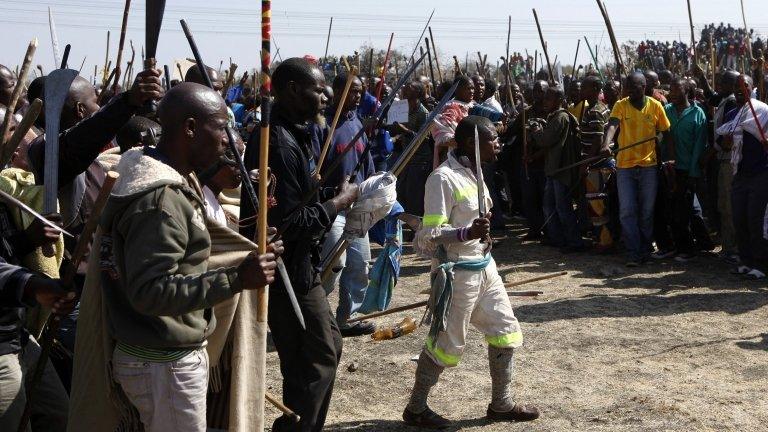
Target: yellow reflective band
434,220
464,193
505,341
446,359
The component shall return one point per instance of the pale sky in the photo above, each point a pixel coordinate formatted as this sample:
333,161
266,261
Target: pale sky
232,27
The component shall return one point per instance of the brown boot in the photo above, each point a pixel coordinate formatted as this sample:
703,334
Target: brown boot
427,419
518,413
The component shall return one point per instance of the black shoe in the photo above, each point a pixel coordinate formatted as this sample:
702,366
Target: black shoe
285,423
518,413
358,329
427,419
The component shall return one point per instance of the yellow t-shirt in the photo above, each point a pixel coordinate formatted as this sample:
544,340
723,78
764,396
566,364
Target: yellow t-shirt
636,125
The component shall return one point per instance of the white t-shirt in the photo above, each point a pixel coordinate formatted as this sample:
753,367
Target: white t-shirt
213,209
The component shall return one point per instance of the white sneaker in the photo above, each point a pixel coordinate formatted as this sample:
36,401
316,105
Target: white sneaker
755,274
662,253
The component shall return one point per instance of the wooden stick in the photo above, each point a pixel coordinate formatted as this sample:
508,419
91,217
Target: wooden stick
123,27
429,58
544,47
614,44
181,74
230,79
280,406
534,279
11,108
425,302
328,40
328,139
53,322
105,72
575,58
457,66
746,31
693,37
384,68
262,293
21,131
336,253
748,96
437,59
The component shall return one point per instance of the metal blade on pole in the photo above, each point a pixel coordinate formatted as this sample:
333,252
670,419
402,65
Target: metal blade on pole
57,85
54,37
479,176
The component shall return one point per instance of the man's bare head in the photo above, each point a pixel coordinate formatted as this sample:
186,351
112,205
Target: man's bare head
7,84
194,76
194,120
80,104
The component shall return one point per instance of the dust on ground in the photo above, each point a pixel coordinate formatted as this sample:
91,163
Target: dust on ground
662,347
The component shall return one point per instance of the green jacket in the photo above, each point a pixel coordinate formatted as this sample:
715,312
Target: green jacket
158,289
560,138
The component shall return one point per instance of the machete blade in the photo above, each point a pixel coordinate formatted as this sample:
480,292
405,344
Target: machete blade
154,21
57,85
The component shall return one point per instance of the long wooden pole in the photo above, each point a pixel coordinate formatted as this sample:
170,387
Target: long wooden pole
384,68
424,303
22,128
262,293
123,27
327,41
693,36
544,47
20,83
575,58
614,44
53,322
746,31
105,72
328,139
429,58
437,58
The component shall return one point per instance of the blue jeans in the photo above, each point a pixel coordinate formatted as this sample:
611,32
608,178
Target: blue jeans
637,197
353,276
563,227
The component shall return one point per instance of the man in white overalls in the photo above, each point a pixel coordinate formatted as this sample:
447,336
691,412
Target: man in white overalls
466,285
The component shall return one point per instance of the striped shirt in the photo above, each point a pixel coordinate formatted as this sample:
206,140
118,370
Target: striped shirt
154,354
593,127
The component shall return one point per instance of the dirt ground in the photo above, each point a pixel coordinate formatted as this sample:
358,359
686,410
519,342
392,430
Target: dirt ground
663,347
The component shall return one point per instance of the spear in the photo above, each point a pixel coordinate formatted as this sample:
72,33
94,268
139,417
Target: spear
437,58
370,64
123,27
425,302
544,47
11,109
328,40
54,37
418,44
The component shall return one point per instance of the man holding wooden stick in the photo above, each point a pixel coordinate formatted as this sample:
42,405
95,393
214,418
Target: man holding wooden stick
158,289
466,287
308,358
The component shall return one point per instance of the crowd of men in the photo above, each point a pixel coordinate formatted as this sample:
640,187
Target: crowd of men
654,165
